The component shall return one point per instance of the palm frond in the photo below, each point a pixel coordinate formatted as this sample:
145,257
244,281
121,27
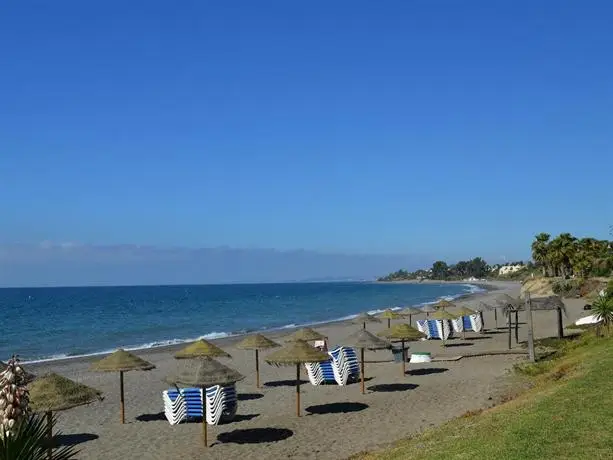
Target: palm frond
30,442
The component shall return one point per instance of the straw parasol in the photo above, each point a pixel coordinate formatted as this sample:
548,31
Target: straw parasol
442,315
429,308
410,311
363,339
463,311
443,303
52,392
402,332
121,361
306,334
257,342
204,372
296,353
366,318
201,349
389,315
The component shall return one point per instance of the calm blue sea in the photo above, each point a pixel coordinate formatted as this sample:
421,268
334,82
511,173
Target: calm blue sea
51,323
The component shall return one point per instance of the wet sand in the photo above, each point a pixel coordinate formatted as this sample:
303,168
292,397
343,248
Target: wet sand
336,422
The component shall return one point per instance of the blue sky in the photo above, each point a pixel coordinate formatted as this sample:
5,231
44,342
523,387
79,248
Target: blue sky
443,128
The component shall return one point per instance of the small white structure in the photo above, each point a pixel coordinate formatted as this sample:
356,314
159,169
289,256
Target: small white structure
508,269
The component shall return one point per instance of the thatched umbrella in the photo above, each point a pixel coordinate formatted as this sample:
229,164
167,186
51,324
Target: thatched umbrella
429,308
365,318
389,315
402,332
121,361
306,334
410,311
363,339
27,376
257,342
201,349
52,392
442,315
297,352
443,303
202,373
463,311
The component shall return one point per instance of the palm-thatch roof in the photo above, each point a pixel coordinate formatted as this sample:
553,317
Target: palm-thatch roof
482,306
296,352
365,339
53,392
365,318
201,349
410,311
443,303
27,376
552,302
204,372
428,308
121,361
305,334
401,331
442,315
463,311
504,301
256,342
390,314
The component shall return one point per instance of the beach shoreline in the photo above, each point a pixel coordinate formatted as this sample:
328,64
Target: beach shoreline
230,340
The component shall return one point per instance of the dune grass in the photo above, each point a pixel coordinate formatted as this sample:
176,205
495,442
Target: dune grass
566,415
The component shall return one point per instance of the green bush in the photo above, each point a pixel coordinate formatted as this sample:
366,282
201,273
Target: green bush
567,288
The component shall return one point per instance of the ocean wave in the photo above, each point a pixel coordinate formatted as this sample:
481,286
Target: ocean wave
468,289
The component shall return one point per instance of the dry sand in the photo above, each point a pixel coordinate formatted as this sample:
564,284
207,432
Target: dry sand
336,422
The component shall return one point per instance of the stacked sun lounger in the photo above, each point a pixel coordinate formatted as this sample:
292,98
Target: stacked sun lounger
342,366
345,364
186,404
468,323
435,329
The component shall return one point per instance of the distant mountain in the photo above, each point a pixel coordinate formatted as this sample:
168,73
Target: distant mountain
75,265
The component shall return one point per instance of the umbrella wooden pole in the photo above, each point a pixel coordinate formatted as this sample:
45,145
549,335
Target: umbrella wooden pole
482,322
496,317
122,399
49,435
510,321
389,323
362,359
410,319
298,390
257,369
205,435
516,327
404,358
364,325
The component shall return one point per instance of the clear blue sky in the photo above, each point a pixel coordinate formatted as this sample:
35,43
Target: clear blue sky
434,127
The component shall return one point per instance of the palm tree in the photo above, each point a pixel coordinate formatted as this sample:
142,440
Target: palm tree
539,250
603,310
30,440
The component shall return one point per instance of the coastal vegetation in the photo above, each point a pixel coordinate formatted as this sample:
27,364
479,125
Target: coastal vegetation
540,423
563,257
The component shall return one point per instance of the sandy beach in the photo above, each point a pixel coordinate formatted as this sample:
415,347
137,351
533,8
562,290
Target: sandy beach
336,422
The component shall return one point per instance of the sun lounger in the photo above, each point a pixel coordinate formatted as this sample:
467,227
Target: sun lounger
422,326
186,404
342,366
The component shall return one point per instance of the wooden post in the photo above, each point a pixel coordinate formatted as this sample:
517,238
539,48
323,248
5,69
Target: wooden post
49,435
362,360
510,322
404,359
121,396
531,355
364,325
205,437
496,316
389,323
410,319
560,325
257,369
298,389
516,326
482,322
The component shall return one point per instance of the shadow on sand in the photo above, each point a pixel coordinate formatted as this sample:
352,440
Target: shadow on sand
152,417
249,396
427,371
458,344
244,417
255,435
336,408
73,439
389,387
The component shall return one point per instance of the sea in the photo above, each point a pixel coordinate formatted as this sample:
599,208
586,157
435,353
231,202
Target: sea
41,324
